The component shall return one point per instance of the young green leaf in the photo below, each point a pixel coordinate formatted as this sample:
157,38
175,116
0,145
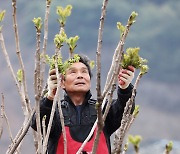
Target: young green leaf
37,23
136,111
169,146
19,75
72,43
132,18
2,14
63,14
92,64
60,39
121,28
132,58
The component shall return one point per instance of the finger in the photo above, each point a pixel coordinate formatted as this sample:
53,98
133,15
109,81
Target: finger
130,73
123,79
126,76
53,77
54,81
54,86
52,72
121,82
131,68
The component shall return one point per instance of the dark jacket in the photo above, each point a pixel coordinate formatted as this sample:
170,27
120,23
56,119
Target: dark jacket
83,120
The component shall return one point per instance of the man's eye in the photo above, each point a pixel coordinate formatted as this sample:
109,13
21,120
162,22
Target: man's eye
85,71
73,71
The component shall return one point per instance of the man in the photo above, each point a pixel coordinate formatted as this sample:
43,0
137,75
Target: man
79,109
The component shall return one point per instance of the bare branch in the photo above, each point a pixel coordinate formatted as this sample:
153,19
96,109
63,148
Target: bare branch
38,89
99,48
2,115
48,3
12,73
126,117
21,134
98,76
27,101
9,128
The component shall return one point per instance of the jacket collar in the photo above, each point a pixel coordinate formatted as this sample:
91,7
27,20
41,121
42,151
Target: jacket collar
87,97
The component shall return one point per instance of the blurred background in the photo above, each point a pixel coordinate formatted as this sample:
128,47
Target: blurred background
156,32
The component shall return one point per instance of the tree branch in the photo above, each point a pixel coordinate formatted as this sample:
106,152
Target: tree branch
27,101
21,134
2,115
48,3
38,89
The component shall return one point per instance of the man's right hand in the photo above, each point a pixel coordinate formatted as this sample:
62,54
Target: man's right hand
52,84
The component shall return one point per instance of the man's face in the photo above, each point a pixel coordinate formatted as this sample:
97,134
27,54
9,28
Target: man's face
77,78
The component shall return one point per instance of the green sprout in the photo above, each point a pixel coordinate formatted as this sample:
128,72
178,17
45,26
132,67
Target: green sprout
69,62
136,111
135,140
169,147
19,75
72,43
63,14
92,64
132,18
59,39
132,58
120,27
51,61
37,23
2,14
62,66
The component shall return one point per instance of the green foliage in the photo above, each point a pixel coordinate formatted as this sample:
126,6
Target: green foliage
132,58
121,28
63,14
71,42
60,39
19,75
132,18
169,146
51,61
62,66
37,23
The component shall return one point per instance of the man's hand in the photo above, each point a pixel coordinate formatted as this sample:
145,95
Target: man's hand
125,77
52,84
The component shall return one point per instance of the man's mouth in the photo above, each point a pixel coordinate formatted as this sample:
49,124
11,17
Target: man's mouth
80,83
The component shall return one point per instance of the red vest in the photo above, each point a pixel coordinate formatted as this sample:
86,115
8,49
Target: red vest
73,146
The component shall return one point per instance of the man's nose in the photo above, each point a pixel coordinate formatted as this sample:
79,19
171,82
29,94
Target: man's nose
79,75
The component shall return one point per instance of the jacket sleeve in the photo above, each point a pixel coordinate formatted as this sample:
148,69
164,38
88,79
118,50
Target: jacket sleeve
113,120
45,109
